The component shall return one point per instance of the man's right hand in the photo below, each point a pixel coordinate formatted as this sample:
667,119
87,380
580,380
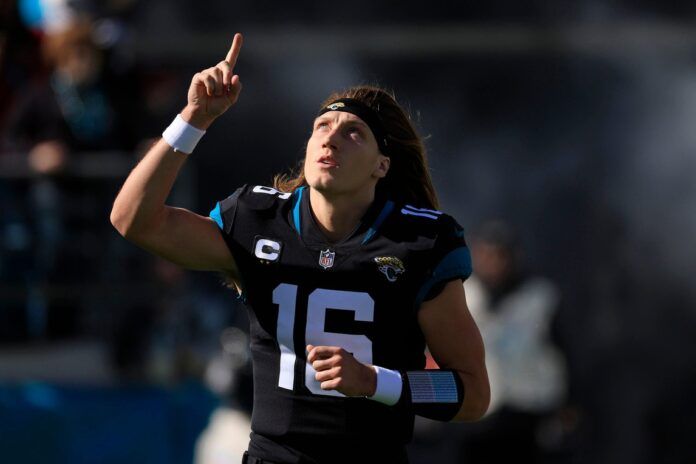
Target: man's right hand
214,90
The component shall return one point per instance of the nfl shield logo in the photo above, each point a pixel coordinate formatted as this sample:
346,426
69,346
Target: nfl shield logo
326,258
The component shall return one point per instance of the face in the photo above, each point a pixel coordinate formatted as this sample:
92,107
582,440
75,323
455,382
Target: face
493,263
342,155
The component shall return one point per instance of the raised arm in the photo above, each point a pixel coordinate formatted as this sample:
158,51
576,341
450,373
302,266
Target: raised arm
139,211
455,343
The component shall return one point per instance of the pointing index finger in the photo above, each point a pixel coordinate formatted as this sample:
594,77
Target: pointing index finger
233,53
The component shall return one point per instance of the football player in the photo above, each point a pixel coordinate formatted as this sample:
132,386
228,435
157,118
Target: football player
348,270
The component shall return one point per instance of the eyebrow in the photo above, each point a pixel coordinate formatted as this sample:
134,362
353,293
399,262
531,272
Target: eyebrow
324,118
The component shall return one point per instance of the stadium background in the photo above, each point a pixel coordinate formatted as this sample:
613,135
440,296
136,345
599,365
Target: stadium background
571,121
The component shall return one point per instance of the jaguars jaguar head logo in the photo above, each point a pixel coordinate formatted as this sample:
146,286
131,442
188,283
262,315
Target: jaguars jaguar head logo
390,266
335,106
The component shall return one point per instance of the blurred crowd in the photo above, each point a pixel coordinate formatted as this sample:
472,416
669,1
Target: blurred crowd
568,161
75,115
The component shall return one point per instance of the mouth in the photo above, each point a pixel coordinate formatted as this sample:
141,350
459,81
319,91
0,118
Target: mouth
328,161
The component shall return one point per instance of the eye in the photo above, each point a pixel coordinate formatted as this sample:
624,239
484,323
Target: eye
354,130
321,124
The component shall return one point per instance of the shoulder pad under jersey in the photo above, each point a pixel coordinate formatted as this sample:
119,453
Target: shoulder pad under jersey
247,197
260,197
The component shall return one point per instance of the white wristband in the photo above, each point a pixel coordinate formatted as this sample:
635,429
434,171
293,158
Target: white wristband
182,136
389,385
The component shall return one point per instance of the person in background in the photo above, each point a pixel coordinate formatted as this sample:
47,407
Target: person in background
77,108
58,123
514,312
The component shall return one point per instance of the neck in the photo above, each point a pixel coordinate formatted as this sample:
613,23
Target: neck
337,216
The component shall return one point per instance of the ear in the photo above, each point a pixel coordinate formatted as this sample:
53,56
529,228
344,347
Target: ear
383,163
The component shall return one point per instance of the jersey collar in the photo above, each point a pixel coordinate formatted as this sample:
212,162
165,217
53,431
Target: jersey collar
303,221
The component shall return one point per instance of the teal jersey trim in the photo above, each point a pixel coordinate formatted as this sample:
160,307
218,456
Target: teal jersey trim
296,209
457,263
217,216
388,207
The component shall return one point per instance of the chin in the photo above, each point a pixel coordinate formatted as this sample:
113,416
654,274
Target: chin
323,187
322,182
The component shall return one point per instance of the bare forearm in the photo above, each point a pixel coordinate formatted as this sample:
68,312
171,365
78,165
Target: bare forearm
477,397
455,343
140,203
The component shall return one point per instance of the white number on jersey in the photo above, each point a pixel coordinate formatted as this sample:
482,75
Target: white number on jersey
285,296
421,212
271,191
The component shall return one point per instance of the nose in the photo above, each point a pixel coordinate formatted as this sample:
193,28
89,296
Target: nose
331,139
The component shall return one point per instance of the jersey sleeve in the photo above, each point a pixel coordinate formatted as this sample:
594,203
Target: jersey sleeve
451,260
245,204
225,211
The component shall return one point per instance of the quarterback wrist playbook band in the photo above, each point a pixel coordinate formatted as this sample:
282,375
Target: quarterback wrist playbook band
182,136
433,393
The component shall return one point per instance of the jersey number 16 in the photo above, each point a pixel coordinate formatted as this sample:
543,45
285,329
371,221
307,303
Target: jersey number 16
285,296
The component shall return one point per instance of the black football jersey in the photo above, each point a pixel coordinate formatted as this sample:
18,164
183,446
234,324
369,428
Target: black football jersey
361,294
